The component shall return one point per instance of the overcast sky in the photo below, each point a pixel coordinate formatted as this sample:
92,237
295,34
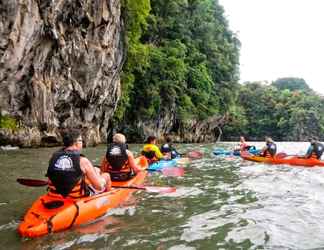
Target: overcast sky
280,38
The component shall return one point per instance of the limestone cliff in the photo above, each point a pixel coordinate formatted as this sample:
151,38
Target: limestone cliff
60,63
193,131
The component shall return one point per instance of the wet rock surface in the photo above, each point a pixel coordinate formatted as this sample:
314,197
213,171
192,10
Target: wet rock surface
60,64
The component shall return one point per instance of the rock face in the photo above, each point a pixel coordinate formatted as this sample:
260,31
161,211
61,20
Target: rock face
60,63
208,130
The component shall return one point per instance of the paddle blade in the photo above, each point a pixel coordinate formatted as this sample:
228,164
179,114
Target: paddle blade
230,158
32,182
183,161
173,171
281,155
195,154
161,190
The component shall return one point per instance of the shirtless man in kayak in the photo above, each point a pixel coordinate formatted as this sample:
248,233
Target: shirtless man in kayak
71,174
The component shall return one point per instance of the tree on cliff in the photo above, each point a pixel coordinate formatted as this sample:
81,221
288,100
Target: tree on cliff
291,83
283,114
190,67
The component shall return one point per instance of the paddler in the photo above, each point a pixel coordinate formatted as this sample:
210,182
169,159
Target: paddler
168,150
71,174
243,146
315,149
119,161
270,149
152,152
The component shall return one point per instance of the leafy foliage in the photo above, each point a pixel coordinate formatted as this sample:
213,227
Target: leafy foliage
282,114
291,83
182,64
8,122
181,59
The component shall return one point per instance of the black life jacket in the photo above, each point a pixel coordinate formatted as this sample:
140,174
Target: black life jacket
166,148
116,156
149,154
174,154
272,148
318,149
64,171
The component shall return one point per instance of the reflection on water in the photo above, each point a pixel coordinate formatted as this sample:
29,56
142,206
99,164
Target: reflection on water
220,203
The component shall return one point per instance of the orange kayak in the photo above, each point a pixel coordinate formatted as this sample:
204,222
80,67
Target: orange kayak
54,213
290,160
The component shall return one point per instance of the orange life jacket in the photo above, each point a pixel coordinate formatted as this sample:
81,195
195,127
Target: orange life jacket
107,168
124,173
79,190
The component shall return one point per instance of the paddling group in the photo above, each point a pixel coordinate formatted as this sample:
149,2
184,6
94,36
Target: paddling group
314,151
78,192
71,174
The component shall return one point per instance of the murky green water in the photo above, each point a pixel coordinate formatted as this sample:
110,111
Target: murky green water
220,203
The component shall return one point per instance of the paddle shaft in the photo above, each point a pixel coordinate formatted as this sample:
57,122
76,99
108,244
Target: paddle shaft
129,187
39,183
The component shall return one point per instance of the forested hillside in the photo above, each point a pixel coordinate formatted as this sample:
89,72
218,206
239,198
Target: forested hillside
144,67
286,110
181,68
181,72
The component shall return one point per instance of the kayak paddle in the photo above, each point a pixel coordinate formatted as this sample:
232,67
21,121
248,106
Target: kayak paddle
151,189
283,155
171,171
168,171
193,154
32,182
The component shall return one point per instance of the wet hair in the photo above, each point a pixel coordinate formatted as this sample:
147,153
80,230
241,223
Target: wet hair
119,138
150,139
312,139
168,139
70,136
268,139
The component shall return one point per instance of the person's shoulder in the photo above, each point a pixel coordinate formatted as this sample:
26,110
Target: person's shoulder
129,153
84,161
155,147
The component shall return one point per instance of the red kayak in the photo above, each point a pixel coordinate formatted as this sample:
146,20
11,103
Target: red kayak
283,159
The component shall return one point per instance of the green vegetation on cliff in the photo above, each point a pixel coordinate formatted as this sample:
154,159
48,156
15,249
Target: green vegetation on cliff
8,122
291,83
182,62
182,66
284,110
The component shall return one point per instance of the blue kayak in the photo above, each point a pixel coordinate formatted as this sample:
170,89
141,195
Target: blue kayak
221,151
156,166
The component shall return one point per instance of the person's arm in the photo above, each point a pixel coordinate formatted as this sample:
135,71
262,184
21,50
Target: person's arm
96,180
309,152
263,150
158,153
132,163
